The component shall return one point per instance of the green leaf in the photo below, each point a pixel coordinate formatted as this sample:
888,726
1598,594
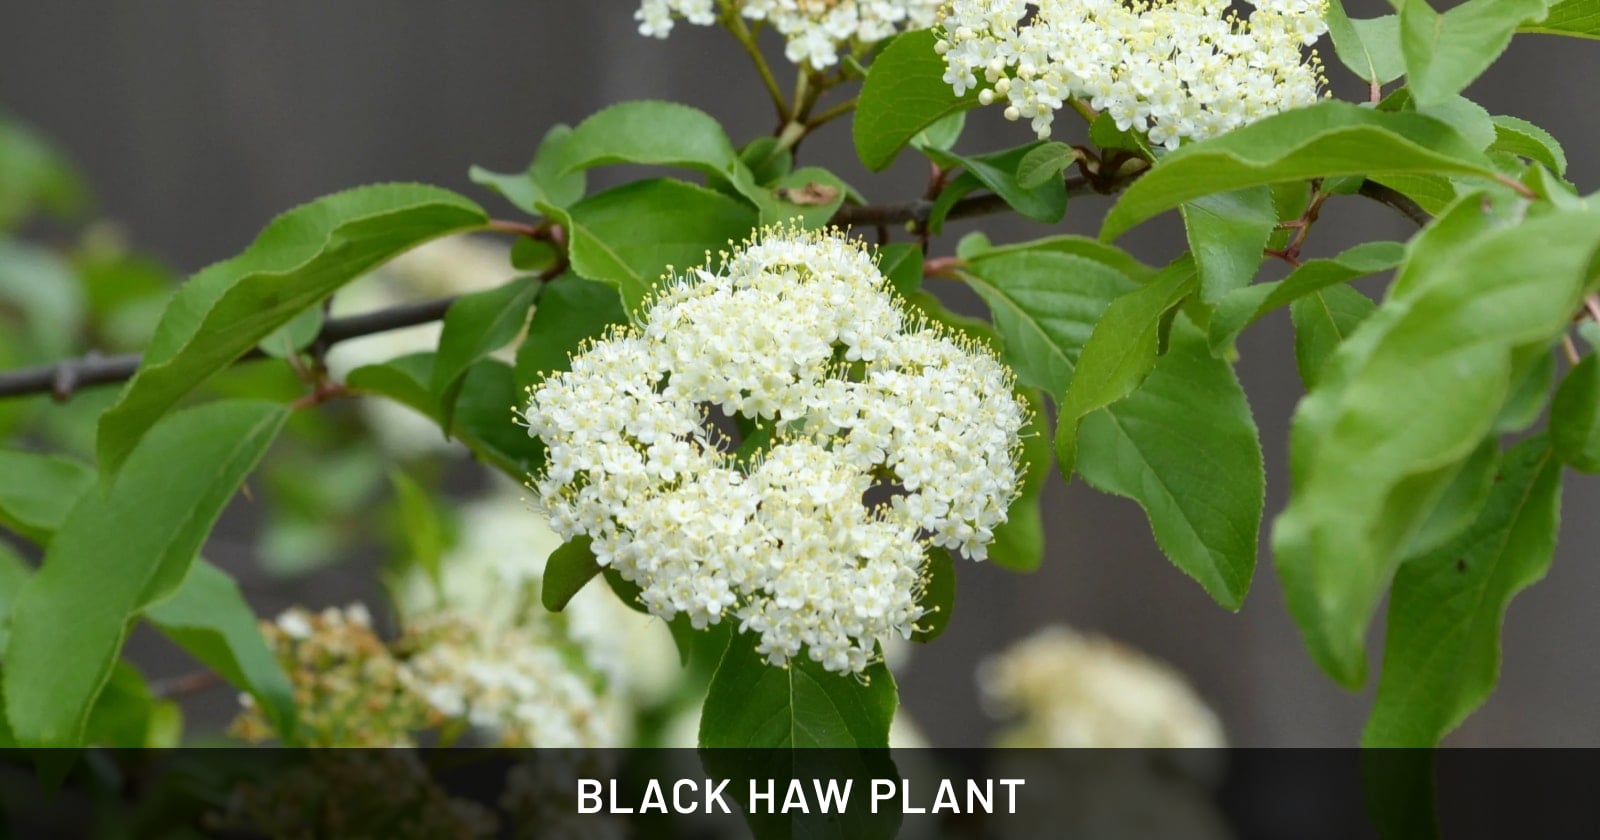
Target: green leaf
571,310
1044,162
1441,656
1045,305
126,714
939,599
1321,141
1227,233
943,134
976,246
1019,543
209,618
476,325
69,621
569,569
1403,403
629,236
901,262
1575,417
301,258
766,161
1465,116
1243,307
14,572
1445,52
38,491
1322,320
1370,47
652,133
1046,201
543,182
1524,139
294,336
33,176
1580,18
1462,502
1185,447
753,705
1120,352
1533,378
420,527
903,94
811,193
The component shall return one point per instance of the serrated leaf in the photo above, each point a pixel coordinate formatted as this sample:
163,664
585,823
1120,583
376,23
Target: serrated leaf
753,705
1018,543
1243,307
69,621
1320,141
571,310
1369,47
543,182
1403,402
570,567
904,93
628,236
1043,202
300,259
209,618
476,325
1524,139
1580,18
1442,652
1043,162
1322,321
1120,352
1445,52
1227,233
1045,305
1185,448
974,246
939,599
38,491
1575,417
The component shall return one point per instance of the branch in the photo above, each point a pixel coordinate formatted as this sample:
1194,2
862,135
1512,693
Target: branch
917,211
1405,206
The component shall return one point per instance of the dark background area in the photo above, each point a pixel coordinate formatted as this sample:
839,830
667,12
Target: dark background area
197,121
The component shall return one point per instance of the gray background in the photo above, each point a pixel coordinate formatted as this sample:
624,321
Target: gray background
197,121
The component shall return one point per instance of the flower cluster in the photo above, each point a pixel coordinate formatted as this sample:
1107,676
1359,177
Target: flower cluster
814,30
1174,69
1071,690
869,435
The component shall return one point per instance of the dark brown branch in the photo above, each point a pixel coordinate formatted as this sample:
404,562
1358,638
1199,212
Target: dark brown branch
1405,206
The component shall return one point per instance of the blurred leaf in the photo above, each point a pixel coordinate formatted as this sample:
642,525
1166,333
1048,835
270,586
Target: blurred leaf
1445,52
1575,417
1524,139
939,599
1243,307
69,621
904,93
1532,379
294,336
1462,502
44,289
1370,47
34,176
1322,320
569,569
1441,656
14,572
420,527
476,325
1019,542
209,618
38,491
301,258
1227,232
124,714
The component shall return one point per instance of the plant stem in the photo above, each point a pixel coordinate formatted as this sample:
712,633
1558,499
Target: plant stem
734,23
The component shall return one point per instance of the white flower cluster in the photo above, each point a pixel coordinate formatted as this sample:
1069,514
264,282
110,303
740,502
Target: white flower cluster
815,30
1071,690
1174,69
799,334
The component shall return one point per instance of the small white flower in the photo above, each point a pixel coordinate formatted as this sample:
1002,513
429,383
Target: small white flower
800,335
814,31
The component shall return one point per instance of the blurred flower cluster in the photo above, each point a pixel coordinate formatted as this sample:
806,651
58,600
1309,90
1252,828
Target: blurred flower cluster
815,32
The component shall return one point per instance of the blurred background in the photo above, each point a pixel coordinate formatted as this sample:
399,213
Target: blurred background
196,122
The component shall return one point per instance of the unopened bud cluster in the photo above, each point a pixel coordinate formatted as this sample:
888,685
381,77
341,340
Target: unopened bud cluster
1173,69
843,395
815,31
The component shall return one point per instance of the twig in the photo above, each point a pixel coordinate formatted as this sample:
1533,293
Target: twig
1406,207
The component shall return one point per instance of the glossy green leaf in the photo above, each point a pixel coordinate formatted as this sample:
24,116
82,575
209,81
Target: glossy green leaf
901,262
1044,162
1441,655
38,490
1369,47
1241,308
939,599
569,569
976,246
1045,201
1325,140
69,621
1045,305
629,236
1445,52
1227,233
1580,18
1575,417
1120,352
301,258
1018,544
209,618
294,336
1403,403
1185,448
650,132
943,134
753,705
903,94
476,325
571,310
543,182
1322,320
1524,139
766,160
